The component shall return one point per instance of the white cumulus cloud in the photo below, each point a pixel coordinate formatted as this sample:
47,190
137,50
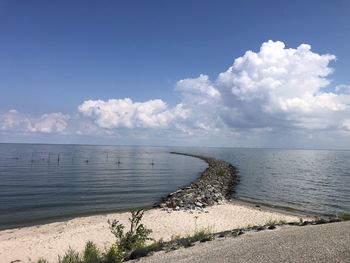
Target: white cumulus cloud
274,87
46,123
343,88
124,113
272,94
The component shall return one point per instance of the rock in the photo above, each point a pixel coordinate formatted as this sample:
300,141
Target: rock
333,220
215,185
205,239
321,221
185,242
199,204
260,228
138,253
305,223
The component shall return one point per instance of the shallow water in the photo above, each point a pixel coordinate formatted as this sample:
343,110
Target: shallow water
314,181
42,183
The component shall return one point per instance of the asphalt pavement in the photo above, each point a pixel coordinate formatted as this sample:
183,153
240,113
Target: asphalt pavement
326,243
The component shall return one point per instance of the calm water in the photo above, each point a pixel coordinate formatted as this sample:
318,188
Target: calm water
314,181
35,187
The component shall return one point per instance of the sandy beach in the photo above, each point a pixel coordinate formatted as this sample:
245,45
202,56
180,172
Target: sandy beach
50,240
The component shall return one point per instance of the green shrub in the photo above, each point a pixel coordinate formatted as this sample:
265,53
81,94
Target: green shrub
91,253
71,256
42,260
135,237
344,216
113,255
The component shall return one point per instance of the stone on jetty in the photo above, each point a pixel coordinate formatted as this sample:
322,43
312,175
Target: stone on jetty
215,185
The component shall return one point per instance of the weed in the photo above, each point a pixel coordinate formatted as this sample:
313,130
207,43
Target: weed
156,245
344,216
195,222
199,235
91,253
113,255
135,237
275,222
71,256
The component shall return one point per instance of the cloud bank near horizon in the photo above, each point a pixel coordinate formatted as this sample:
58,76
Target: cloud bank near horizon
273,91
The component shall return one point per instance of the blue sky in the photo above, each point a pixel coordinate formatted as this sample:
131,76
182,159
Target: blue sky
54,56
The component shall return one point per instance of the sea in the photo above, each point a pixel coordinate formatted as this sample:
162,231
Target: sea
42,183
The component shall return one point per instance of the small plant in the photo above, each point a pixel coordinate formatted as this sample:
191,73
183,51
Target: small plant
71,256
156,245
113,255
42,260
275,222
135,237
344,216
199,235
195,222
91,253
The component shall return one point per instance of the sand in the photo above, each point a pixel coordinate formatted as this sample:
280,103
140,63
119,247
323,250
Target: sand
50,240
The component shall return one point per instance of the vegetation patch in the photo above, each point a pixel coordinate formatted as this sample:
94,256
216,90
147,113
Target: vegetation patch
344,216
137,235
131,244
71,256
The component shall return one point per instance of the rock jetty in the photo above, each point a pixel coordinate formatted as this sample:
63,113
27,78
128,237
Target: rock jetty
214,186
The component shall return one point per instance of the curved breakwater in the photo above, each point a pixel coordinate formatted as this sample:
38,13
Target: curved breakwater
215,185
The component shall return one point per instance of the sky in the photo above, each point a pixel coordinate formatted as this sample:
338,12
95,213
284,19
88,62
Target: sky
200,73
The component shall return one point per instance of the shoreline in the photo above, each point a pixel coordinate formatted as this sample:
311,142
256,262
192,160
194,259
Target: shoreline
279,209
234,201
52,239
207,160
